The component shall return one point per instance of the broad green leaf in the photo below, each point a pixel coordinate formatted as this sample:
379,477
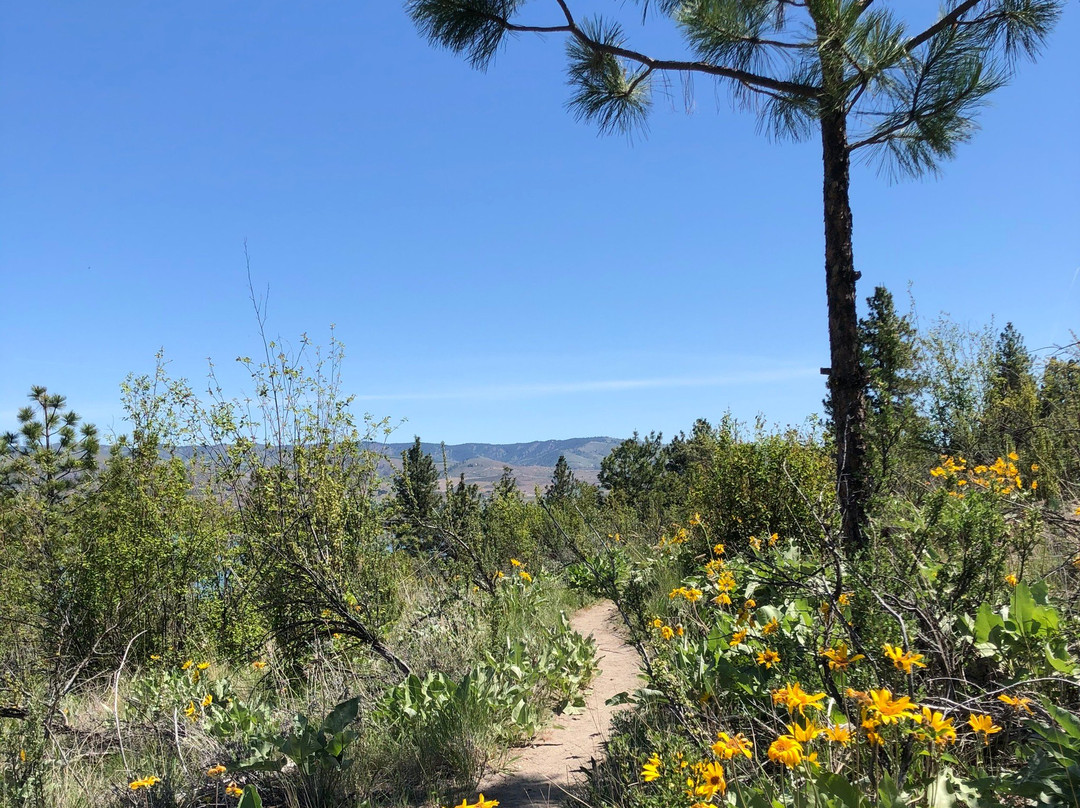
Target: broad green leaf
250,798
1068,722
1059,659
1022,610
846,795
985,622
341,716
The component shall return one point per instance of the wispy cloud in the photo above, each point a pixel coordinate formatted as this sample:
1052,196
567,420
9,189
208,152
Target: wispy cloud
539,390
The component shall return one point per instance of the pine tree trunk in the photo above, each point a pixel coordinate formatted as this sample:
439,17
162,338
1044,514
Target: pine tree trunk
846,377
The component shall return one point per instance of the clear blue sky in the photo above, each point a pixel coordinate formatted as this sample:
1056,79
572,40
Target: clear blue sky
497,270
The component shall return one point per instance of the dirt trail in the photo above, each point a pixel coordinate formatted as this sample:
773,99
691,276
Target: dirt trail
540,773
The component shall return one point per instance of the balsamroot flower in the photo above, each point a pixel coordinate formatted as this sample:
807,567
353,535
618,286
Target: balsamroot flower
1018,703
839,658
728,746
795,698
804,734
768,658
903,660
786,750
890,710
937,727
840,734
983,725
711,780
651,770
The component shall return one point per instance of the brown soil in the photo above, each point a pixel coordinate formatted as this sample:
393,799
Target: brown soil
539,775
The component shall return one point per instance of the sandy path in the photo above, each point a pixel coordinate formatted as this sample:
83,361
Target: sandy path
540,773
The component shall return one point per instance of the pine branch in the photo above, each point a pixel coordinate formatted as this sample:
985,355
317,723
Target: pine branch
948,20
470,26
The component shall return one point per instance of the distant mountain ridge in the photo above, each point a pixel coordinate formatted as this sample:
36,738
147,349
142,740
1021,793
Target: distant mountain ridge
580,453
482,463
532,463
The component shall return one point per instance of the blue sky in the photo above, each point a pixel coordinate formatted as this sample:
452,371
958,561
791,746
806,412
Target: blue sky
497,271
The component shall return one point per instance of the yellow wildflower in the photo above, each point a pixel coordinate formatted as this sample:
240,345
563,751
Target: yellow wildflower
795,698
941,728
728,746
514,562
983,725
768,658
695,519
890,710
145,782
718,549
712,780
258,664
203,666
525,576
903,660
208,699
482,803
755,542
186,664
657,622
773,539
233,790
667,633
804,734
1018,703
1011,579
770,627
838,657
690,594
651,770
737,638
840,734
786,750
714,568
723,599
191,712
216,771
845,598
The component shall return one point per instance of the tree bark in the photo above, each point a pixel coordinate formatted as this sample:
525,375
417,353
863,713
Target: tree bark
846,377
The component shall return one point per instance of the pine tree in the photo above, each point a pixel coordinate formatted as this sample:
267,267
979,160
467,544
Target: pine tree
846,71
1059,421
1011,409
633,469
890,357
464,512
563,483
51,452
416,491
